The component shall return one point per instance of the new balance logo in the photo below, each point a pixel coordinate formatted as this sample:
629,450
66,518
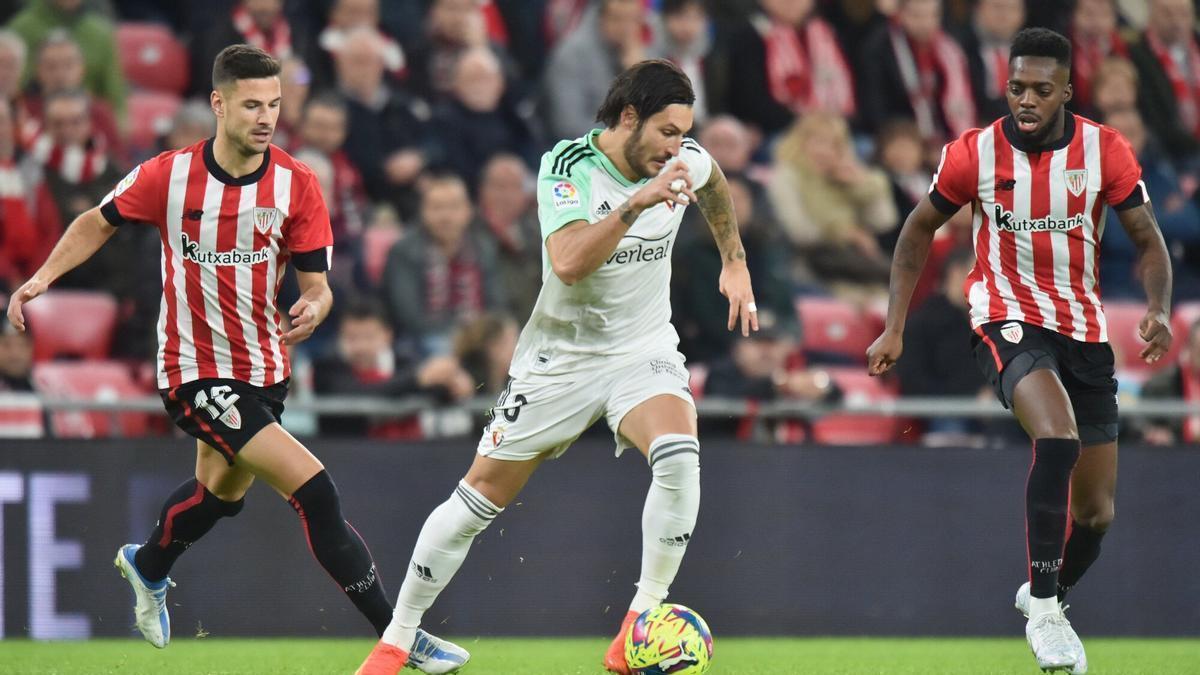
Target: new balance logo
423,572
1006,184
193,214
681,540
604,209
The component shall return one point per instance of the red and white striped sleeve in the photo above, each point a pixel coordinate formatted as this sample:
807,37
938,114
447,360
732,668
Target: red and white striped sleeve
140,197
307,233
957,179
1122,174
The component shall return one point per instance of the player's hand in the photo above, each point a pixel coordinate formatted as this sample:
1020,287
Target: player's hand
660,189
1155,329
304,322
884,352
735,285
28,291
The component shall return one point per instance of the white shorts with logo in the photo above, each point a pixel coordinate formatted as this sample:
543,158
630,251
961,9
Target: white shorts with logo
531,418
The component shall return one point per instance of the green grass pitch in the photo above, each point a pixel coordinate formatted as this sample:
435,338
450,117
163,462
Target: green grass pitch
519,656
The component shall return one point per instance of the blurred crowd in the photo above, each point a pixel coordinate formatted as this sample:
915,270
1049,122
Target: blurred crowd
425,121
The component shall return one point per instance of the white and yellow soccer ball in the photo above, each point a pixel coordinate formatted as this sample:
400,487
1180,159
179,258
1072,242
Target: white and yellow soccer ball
668,640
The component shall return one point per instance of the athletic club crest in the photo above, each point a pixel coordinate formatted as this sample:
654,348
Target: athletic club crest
1012,332
265,218
1076,181
231,418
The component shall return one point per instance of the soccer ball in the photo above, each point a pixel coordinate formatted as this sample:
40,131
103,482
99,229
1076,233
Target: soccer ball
668,639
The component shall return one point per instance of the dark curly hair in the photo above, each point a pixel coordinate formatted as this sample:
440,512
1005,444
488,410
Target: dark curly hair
1041,42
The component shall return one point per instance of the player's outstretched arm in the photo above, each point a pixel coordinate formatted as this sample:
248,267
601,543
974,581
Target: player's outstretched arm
912,249
734,283
83,238
580,248
316,299
1155,266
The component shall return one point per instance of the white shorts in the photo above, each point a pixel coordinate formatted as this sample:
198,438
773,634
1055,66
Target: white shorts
530,419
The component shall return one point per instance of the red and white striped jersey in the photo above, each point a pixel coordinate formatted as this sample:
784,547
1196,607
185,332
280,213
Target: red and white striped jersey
225,244
1038,215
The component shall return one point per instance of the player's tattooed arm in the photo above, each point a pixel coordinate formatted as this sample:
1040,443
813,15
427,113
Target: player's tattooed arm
717,207
1155,265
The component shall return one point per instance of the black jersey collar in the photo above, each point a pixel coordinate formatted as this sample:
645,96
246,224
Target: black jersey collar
1018,141
210,161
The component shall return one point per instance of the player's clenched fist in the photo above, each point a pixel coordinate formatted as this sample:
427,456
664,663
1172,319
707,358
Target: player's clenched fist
884,352
28,291
673,185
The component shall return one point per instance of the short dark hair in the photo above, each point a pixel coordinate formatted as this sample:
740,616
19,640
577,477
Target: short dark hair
364,308
668,7
242,62
325,99
1041,42
649,86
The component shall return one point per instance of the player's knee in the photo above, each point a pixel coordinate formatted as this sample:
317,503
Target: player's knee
318,498
1056,452
675,462
231,497
1096,515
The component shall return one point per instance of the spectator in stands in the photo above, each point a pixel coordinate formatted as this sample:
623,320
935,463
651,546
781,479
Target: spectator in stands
729,142
832,207
985,41
762,368
484,346
684,39
93,33
295,82
1177,214
13,53
385,128
442,272
366,364
697,304
260,23
192,123
21,244
452,27
1180,381
608,39
910,69
1168,62
59,67
344,17
1094,38
937,346
900,153
16,359
508,209
323,129
1114,87
481,119
788,62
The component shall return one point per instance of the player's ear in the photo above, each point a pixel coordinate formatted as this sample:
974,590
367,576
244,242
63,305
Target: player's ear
217,103
629,117
1068,93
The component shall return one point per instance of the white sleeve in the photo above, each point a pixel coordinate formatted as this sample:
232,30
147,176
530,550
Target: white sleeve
699,162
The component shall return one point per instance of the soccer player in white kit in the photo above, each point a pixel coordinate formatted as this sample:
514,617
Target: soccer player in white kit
599,342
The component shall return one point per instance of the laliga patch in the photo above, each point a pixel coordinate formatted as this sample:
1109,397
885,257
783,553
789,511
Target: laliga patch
565,195
1076,181
231,418
128,181
266,218
1012,332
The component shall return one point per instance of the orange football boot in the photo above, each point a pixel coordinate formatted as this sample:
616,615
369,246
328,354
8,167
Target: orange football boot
614,659
384,659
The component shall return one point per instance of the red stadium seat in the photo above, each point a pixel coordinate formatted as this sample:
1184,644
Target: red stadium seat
21,415
376,243
150,114
95,380
152,58
72,323
857,386
835,329
1186,314
1123,319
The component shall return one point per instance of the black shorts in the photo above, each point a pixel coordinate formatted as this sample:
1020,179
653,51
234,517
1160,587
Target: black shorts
225,414
1007,351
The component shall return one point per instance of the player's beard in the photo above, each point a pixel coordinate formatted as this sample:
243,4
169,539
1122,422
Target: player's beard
1041,137
245,144
637,157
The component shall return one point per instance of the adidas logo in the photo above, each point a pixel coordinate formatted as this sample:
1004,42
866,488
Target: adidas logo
604,209
681,540
423,572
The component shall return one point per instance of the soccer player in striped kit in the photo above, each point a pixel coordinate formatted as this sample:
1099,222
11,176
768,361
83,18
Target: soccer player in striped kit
1038,182
232,211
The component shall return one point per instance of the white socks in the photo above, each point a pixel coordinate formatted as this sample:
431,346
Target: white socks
669,515
1040,606
440,551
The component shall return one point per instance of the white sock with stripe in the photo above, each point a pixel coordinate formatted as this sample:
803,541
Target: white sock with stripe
669,515
440,551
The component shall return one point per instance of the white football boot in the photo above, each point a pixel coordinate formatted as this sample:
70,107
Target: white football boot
433,655
1053,642
1022,604
150,607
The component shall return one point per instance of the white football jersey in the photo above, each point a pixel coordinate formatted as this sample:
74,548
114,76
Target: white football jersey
623,309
